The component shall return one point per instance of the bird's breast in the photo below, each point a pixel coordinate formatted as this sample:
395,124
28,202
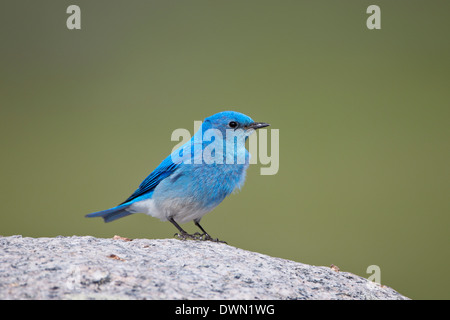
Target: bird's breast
201,185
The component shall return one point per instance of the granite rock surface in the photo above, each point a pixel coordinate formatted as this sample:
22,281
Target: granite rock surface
85,267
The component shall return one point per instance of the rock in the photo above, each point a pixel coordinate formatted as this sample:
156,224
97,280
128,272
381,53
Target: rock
91,268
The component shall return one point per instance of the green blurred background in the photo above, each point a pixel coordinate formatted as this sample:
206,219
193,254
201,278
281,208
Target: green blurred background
363,115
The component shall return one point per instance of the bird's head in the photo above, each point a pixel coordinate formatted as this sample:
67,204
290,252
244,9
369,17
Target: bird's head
232,120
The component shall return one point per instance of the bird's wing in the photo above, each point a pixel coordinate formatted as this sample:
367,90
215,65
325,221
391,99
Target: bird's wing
165,169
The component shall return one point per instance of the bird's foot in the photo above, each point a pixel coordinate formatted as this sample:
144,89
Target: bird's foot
197,236
185,236
207,237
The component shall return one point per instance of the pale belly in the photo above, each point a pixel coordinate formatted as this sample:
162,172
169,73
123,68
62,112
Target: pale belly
190,193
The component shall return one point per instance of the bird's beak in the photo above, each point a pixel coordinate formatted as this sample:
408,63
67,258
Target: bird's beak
257,125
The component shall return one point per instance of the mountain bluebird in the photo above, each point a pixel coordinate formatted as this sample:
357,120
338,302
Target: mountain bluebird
196,177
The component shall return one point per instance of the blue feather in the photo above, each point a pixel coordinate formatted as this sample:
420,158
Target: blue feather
165,169
111,214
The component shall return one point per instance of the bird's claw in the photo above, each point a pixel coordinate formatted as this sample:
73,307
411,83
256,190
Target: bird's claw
197,236
186,236
183,236
207,237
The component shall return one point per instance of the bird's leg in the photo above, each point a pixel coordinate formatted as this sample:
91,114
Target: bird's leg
205,235
183,235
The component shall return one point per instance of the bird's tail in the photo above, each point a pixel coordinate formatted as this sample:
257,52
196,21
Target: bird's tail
112,214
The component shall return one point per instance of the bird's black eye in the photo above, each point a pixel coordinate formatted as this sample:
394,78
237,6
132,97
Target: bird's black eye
233,124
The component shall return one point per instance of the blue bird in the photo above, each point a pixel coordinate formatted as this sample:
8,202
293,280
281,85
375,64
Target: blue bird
196,177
